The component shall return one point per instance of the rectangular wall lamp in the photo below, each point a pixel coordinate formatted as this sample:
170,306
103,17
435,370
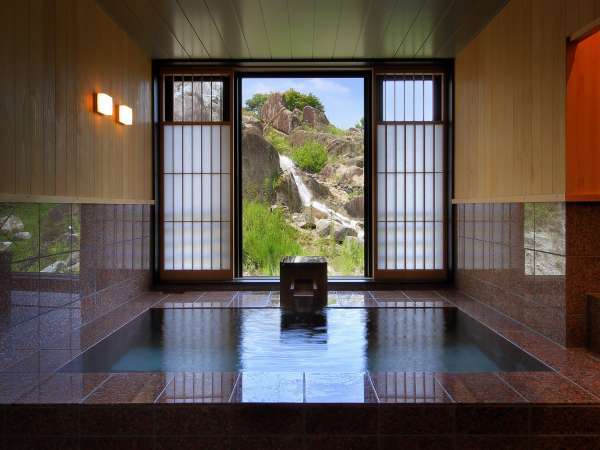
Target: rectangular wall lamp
104,104
125,115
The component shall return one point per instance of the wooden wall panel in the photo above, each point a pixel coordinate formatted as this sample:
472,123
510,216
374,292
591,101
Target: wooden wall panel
510,92
56,54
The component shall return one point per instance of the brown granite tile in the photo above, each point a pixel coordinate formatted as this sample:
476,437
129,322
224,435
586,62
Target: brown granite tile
64,388
294,442
547,387
342,442
421,294
338,388
130,388
204,387
582,222
477,388
273,419
491,419
220,295
408,387
190,420
124,420
341,419
566,442
495,442
583,277
420,419
392,295
117,443
565,420
192,443
395,442
46,420
46,443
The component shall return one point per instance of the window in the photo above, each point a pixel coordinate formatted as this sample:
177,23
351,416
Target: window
410,166
196,175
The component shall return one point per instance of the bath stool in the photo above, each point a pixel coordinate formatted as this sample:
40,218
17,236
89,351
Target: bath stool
303,283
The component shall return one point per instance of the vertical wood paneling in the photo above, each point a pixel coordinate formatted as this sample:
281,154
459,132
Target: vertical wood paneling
57,53
510,103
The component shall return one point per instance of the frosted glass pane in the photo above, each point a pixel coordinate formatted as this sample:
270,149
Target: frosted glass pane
225,138
429,196
409,103
428,148
177,197
168,148
206,136
168,197
391,245
400,152
419,100
197,148
391,197
399,100
216,197
439,245
400,198
400,247
225,245
206,197
188,245
197,197
391,149
419,197
380,148
216,149
439,146
429,245
206,245
187,148
178,246
419,245
410,245
381,195
410,197
419,150
381,245
410,148
187,197
216,245
197,245
428,104
439,196
225,197
177,150
168,246
388,100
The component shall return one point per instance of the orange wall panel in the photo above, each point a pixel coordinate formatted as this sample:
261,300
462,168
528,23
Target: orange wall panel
583,120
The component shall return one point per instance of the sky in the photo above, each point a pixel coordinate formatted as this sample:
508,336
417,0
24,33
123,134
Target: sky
342,97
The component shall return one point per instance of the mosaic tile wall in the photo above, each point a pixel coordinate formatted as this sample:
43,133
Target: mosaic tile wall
535,262
63,265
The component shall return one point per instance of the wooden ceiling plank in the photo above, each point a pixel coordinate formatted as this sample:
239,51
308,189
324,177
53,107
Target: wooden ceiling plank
226,21
352,18
302,28
422,26
277,23
251,21
402,18
370,42
327,18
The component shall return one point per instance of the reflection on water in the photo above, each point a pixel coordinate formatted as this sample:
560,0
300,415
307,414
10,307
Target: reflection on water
337,340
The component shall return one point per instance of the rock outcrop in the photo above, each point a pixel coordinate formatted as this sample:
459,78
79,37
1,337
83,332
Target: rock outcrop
287,193
314,117
355,207
274,113
260,166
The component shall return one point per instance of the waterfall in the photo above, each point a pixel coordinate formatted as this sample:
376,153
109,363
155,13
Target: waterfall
287,165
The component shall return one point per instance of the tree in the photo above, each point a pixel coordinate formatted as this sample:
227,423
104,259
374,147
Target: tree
256,102
360,124
293,99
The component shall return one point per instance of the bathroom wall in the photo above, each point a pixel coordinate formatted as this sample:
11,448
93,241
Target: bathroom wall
63,265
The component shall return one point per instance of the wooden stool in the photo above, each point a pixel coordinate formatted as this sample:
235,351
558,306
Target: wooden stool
303,283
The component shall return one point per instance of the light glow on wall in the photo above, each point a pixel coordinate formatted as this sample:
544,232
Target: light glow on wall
104,104
125,115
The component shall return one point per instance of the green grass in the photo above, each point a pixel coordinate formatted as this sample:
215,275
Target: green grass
279,141
350,258
335,131
267,237
311,157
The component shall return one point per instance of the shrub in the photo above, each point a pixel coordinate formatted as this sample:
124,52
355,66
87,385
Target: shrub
351,258
293,99
360,124
278,140
335,131
267,237
256,102
311,157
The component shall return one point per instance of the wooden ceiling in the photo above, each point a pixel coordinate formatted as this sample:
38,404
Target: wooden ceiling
301,29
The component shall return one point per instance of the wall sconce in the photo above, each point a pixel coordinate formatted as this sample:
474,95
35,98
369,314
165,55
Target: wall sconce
104,104
125,115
